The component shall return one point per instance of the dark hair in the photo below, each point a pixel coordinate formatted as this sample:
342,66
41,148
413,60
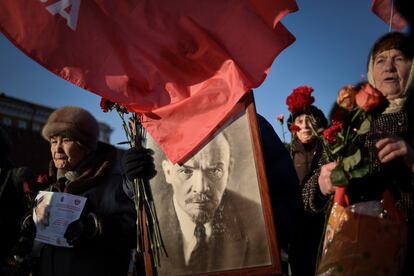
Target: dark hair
315,112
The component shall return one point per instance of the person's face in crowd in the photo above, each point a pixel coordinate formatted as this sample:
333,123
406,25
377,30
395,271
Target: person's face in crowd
304,135
391,70
42,211
66,152
200,182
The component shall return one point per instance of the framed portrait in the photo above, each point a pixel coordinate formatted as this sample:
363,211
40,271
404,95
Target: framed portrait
214,209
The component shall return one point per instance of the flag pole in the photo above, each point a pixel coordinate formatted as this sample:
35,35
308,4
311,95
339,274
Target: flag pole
392,15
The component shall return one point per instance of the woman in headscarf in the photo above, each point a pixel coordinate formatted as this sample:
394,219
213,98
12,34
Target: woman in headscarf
389,141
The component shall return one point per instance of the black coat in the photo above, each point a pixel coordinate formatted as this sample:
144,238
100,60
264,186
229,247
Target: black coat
108,253
309,232
285,193
12,205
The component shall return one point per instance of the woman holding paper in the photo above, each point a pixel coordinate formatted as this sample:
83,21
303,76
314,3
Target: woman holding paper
105,234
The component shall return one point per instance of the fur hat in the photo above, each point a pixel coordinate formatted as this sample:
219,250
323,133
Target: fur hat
315,112
73,122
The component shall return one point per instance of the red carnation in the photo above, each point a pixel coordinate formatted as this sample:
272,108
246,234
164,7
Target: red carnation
300,99
27,187
106,105
330,133
280,118
294,128
42,179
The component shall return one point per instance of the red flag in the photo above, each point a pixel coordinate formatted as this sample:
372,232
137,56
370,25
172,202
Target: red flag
183,63
385,9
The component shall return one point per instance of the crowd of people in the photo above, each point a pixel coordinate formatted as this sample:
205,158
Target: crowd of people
102,240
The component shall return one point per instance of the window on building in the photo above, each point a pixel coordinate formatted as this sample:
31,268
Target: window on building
35,127
22,124
7,121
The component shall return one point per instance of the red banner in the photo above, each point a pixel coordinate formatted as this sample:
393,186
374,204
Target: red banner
183,63
385,9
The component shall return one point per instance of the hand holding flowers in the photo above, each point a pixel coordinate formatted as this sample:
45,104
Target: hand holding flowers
147,221
344,139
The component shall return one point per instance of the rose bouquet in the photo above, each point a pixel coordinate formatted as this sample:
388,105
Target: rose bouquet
147,220
343,140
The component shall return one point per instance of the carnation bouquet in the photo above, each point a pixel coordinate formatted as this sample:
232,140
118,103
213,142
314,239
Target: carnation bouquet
147,221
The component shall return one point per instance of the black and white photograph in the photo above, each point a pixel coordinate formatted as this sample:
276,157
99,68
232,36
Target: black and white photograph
209,208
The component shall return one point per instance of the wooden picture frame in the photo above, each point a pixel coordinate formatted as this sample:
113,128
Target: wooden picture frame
241,231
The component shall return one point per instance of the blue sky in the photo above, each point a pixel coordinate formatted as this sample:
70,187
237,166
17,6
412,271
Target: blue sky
333,39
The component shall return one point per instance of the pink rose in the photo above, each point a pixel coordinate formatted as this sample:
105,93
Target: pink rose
369,98
346,97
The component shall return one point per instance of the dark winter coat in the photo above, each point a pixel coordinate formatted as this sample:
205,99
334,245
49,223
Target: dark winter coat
12,206
284,189
109,252
308,234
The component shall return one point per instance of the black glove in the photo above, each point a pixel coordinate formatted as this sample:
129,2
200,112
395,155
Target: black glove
82,229
28,227
23,248
139,163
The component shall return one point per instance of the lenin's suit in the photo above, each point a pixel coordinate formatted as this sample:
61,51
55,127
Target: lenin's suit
238,238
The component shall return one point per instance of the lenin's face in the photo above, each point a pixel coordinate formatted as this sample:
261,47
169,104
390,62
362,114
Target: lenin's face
200,182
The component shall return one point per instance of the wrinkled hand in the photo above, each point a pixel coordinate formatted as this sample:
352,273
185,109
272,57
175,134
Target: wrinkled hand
324,180
81,229
391,148
139,163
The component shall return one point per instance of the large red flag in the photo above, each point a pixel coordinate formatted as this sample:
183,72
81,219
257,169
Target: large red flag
385,9
183,63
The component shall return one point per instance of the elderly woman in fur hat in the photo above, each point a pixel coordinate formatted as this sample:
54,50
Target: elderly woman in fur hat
389,141
105,234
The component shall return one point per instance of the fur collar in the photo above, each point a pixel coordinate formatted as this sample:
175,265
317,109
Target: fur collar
92,174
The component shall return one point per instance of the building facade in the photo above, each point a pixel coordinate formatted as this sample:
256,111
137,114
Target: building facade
24,121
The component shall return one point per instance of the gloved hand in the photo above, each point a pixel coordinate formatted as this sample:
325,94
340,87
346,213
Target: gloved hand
82,229
22,250
28,228
139,163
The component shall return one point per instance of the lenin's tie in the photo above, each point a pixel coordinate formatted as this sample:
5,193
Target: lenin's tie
198,260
